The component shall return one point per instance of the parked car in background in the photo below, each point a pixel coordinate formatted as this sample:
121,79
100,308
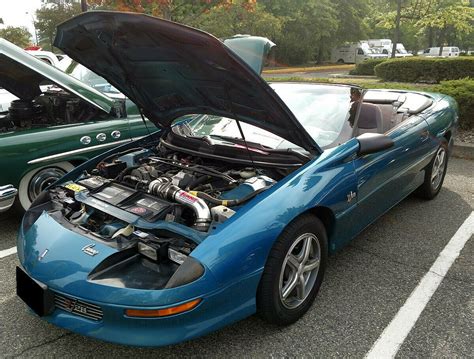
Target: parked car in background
54,123
448,51
235,206
385,46
354,53
60,61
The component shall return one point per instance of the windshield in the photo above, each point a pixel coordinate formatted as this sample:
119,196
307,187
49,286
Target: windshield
90,78
326,112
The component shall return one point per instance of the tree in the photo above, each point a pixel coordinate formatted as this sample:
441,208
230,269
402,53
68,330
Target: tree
20,36
450,16
50,15
184,11
237,18
309,27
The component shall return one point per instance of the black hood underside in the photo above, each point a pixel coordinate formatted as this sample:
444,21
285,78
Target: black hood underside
170,70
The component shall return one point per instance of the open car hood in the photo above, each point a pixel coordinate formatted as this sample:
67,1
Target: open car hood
170,70
22,74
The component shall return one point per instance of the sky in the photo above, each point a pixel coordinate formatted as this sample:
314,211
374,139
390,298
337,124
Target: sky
19,13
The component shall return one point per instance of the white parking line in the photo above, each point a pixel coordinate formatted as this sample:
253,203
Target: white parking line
7,252
389,342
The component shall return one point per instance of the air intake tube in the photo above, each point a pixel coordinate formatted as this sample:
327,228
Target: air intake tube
162,187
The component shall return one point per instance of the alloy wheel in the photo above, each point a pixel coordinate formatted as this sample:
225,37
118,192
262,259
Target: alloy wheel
438,168
299,270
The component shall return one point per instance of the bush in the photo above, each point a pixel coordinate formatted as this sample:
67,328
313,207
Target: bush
431,70
366,67
463,92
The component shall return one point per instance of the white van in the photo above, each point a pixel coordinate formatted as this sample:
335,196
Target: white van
399,52
448,51
354,53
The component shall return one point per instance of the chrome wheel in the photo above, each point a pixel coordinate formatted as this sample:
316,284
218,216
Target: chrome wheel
299,270
42,180
439,165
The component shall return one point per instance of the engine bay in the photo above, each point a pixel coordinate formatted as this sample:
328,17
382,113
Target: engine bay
124,201
54,107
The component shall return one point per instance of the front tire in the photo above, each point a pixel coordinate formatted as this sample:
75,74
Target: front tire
35,181
435,173
294,271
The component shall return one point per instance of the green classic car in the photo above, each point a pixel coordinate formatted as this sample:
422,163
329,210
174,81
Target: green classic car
56,123
62,119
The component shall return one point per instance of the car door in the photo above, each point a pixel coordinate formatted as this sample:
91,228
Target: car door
386,177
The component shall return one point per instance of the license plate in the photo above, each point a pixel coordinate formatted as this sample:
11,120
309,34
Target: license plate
35,294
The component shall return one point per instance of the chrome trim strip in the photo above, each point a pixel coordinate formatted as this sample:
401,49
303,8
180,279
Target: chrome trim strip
7,197
63,155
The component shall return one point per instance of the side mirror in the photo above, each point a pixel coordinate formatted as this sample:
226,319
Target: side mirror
373,142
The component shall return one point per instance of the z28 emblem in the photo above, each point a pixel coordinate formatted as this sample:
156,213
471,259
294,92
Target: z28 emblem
90,250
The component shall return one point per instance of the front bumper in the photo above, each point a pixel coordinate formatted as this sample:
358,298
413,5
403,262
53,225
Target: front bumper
216,310
7,197
64,269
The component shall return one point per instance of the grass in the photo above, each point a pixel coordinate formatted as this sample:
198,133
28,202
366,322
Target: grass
289,70
365,83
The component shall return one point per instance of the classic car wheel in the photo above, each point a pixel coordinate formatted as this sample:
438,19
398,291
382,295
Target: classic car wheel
34,182
434,174
294,271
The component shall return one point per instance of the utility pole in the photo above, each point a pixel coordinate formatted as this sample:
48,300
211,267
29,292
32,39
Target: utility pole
83,5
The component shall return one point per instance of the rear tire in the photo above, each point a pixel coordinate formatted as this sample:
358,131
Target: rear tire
435,173
294,271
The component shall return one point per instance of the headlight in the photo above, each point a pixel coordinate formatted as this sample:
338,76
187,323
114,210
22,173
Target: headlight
187,272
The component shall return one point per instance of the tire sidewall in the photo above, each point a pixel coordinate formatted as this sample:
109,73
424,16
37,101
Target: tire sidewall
23,198
306,224
435,191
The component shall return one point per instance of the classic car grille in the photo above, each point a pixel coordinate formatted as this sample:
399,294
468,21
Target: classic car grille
78,307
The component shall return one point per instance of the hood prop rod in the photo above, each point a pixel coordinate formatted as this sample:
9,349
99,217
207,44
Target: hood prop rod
239,126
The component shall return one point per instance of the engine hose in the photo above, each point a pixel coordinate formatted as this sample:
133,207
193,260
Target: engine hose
226,202
197,182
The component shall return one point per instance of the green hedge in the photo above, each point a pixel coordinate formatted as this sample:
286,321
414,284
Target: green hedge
366,67
463,92
431,70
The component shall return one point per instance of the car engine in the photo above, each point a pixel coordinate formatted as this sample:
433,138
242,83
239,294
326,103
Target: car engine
54,107
154,205
150,185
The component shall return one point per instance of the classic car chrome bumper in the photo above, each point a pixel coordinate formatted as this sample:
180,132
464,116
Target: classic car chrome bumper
7,197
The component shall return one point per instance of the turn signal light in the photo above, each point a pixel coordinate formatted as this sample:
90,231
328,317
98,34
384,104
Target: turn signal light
153,313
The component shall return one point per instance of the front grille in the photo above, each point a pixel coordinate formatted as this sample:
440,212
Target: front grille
78,307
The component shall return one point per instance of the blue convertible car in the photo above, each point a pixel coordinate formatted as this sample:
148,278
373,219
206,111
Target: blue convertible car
233,207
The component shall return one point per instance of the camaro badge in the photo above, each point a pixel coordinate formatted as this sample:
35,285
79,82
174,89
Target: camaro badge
90,250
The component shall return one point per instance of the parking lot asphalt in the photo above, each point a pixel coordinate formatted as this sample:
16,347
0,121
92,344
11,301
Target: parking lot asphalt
365,285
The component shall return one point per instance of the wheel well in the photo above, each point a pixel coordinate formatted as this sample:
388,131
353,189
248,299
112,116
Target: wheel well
447,135
326,216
